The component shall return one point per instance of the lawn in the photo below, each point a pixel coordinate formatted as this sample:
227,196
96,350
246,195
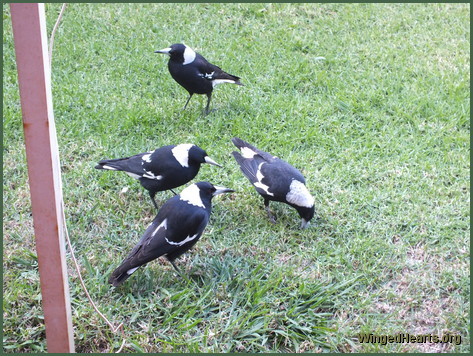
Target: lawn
370,101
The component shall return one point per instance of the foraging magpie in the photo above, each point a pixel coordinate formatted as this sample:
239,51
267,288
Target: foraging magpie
176,228
162,169
274,179
194,72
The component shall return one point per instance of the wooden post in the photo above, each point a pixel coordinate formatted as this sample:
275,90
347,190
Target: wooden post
34,78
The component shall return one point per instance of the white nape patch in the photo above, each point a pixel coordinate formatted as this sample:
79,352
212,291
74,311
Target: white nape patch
151,175
220,81
164,225
187,239
133,175
299,195
192,195
147,157
181,153
189,55
247,152
131,270
260,177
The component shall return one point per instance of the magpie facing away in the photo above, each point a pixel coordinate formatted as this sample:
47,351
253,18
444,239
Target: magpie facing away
274,179
194,72
177,227
162,169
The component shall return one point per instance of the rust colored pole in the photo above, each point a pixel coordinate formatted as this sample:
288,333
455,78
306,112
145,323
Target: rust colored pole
34,79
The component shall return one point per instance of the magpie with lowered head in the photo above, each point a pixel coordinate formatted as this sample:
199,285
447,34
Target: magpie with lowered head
177,227
162,169
274,179
194,72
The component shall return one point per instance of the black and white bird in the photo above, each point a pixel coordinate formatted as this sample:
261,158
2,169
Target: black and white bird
165,168
177,227
194,72
274,179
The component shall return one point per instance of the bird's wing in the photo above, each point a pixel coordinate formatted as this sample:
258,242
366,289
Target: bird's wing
248,166
210,71
280,168
156,163
270,175
186,231
151,246
172,232
259,173
277,177
184,220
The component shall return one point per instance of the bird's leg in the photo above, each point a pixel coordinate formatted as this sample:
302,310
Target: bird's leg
175,267
209,97
187,102
173,191
152,199
179,272
271,217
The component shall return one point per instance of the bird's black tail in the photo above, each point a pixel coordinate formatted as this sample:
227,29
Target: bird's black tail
224,75
113,164
240,144
237,80
120,275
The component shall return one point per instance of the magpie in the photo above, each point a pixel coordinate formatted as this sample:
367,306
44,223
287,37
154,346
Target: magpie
274,179
162,169
194,72
176,228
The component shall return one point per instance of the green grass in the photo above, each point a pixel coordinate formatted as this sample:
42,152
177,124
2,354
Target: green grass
380,129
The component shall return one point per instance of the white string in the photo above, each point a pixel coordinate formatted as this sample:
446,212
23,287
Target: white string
51,40
66,233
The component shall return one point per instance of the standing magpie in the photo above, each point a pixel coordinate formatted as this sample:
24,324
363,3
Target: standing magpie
194,72
162,169
176,228
274,179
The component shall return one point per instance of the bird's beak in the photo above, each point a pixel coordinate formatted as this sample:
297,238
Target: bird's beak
211,161
164,51
304,223
221,190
